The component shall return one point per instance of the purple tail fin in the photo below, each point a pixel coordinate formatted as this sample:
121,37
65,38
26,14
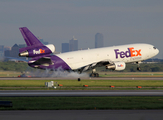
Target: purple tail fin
29,38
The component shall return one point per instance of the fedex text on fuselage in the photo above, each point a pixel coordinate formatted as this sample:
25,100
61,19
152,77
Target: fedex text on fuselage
131,52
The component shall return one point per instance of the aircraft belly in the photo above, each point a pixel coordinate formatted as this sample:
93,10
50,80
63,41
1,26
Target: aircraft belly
79,60
80,63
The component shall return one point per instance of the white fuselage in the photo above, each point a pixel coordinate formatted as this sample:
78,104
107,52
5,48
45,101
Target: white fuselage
125,53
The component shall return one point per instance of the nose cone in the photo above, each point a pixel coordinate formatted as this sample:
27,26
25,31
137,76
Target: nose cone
157,51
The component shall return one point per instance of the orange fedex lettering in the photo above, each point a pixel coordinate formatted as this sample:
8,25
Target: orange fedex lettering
42,51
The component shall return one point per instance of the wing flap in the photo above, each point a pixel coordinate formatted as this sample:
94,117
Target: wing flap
94,65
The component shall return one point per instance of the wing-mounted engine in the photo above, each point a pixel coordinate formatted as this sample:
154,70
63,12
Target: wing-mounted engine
116,66
37,51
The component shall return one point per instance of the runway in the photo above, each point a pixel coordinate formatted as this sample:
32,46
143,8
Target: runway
83,78
82,115
44,93
79,93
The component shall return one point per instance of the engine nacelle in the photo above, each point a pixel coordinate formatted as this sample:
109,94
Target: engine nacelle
37,51
116,66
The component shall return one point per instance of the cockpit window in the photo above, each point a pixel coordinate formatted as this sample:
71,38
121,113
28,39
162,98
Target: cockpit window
154,48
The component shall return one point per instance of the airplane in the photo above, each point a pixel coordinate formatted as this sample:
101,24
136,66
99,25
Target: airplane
114,57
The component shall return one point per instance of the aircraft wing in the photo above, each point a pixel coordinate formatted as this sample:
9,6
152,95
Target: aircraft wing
115,65
94,65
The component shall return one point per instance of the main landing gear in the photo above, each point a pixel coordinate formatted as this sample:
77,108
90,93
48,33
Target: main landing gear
138,68
94,74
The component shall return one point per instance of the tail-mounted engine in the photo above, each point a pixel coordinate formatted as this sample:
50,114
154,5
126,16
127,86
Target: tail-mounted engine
116,66
37,51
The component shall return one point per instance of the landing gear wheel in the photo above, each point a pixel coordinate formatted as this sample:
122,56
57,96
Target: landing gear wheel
91,75
97,75
94,75
138,68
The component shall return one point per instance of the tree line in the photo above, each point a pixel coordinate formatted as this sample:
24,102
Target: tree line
20,66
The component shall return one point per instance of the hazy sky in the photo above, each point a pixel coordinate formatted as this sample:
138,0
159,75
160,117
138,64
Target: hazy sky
56,21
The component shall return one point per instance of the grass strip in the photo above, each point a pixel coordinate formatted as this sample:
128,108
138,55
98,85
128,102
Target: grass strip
131,74
102,74
82,103
90,83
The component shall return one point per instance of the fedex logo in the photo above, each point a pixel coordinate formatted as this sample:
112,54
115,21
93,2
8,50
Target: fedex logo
129,53
40,51
120,65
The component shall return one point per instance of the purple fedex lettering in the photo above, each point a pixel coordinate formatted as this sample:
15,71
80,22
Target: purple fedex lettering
122,54
129,53
116,52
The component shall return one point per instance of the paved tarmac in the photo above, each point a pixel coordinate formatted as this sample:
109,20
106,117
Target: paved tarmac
72,78
83,93
78,93
82,115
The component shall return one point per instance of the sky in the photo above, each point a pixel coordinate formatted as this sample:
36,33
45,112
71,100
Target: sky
57,21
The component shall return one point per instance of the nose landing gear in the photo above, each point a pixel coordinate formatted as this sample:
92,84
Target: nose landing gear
138,68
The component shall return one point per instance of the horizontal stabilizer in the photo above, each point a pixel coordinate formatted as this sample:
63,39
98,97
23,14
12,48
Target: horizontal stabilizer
42,61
